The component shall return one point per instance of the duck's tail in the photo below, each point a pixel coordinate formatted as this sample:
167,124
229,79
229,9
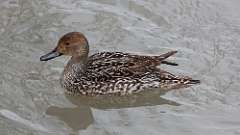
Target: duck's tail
169,63
185,80
182,83
191,81
171,81
162,58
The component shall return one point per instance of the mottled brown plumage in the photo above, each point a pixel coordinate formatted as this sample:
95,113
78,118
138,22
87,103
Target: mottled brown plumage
113,73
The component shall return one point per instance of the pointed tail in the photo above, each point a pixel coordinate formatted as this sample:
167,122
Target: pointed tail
190,81
162,58
169,63
166,55
171,81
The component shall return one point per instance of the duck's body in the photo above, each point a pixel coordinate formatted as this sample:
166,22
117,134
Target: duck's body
113,73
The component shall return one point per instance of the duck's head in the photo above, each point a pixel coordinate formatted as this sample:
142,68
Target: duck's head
72,44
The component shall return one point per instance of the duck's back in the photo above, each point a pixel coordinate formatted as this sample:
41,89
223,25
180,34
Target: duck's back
114,62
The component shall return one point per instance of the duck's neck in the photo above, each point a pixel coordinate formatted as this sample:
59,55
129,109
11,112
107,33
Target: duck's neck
76,66
74,70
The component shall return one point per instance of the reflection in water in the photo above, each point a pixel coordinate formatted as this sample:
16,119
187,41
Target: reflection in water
76,118
81,116
147,98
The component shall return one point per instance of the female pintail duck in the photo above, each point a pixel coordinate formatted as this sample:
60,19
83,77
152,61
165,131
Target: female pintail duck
112,73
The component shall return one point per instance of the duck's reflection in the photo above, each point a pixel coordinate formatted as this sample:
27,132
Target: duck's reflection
115,102
76,118
81,116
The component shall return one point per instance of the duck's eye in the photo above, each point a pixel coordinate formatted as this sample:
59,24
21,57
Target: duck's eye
67,44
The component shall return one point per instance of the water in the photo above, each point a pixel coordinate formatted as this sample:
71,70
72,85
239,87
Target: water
205,33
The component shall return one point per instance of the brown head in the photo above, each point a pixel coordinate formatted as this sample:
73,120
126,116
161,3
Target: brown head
72,44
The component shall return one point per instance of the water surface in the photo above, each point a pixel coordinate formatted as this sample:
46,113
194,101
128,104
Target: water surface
206,35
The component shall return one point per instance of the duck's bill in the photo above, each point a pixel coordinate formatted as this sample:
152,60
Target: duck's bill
50,56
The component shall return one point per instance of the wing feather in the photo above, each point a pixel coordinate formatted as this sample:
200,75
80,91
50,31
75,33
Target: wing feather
111,65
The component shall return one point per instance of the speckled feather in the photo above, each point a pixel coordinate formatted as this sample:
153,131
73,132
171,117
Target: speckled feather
118,73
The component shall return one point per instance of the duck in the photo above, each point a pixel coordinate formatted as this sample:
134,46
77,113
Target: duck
112,73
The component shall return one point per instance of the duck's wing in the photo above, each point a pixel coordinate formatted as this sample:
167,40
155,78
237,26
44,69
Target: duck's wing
110,65
127,57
